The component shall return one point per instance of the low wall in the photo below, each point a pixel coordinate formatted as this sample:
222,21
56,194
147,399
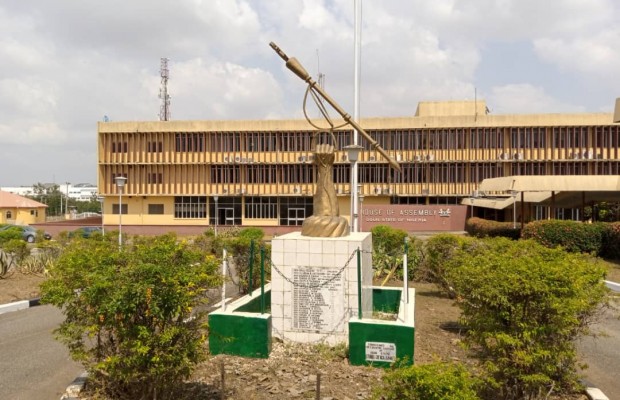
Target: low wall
242,330
380,342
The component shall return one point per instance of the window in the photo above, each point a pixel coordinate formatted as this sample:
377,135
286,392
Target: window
115,209
34,212
9,215
156,209
190,207
119,147
261,207
154,147
293,210
189,142
154,178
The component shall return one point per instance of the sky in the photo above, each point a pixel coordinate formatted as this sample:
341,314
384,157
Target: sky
65,64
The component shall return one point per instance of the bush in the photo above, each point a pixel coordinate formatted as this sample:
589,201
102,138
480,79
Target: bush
238,244
440,257
479,227
10,234
575,237
611,241
17,248
524,305
130,315
387,251
436,381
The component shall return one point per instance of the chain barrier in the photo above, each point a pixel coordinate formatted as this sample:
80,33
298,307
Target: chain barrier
327,282
323,336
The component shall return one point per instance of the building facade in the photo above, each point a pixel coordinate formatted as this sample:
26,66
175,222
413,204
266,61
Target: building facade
18,210
261,173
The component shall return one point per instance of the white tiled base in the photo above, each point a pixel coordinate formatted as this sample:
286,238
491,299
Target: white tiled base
309,254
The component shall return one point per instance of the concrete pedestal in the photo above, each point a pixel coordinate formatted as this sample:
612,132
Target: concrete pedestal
314,288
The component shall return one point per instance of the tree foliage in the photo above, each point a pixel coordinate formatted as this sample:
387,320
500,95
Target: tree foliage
524,305
130,315
238,244
388,248
436,381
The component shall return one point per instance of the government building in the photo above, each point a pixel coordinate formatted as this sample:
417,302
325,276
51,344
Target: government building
195,174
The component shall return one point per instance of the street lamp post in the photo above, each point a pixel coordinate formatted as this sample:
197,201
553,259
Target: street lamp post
353,152
100,200
215,198
472,200
514,208
67,198
361,197
120,184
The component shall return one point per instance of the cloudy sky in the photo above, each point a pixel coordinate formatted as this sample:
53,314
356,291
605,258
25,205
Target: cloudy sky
67,64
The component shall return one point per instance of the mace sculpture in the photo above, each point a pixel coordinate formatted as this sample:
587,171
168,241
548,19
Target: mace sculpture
326,220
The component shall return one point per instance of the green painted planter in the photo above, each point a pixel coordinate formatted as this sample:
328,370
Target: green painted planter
242,330
380,342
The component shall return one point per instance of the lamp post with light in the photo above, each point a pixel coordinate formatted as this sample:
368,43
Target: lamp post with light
100,200
120,184
353,152
215,198
361,197
514,208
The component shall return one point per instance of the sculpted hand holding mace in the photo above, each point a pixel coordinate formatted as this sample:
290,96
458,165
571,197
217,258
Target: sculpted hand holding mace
326,220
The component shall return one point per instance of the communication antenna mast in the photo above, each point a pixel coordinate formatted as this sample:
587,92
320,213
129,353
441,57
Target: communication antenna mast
164,109
321,80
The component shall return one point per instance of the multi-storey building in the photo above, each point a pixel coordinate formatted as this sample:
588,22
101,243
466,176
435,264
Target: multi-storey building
260,173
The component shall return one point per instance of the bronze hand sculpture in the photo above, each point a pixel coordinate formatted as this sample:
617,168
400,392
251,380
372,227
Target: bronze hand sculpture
326,220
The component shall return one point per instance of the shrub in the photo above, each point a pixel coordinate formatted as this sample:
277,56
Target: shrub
387,251
130,314
440,257
611,241
10,234
524,305
238,244
17,248
576,237
479,227
436,381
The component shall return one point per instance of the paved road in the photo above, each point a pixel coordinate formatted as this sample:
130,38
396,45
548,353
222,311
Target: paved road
33,365
602,354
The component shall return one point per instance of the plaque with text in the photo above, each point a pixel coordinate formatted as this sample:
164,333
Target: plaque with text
317,299
379,351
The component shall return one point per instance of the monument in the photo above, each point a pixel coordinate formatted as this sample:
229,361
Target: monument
321,276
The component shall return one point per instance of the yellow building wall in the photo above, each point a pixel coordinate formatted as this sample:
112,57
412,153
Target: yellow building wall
22,216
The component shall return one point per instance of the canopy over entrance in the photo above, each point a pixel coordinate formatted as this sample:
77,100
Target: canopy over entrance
564,191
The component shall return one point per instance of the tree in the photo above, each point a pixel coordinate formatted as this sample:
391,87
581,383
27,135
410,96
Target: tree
524,305
130,315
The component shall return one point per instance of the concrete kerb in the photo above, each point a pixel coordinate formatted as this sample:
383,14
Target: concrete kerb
75,388
19,305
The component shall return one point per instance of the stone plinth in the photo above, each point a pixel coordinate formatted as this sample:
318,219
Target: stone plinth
314,288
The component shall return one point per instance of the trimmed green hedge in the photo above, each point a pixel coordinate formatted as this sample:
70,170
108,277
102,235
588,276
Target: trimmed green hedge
573,236
611,241
600,238
480,228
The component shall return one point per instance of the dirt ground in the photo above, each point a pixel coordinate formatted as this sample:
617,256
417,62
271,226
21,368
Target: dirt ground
17,286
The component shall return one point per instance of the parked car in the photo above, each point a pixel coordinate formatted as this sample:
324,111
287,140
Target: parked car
29,233
86,231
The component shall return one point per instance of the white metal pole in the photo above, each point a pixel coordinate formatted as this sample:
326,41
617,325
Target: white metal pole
120,217
514,210
224,268
357,51
406,271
